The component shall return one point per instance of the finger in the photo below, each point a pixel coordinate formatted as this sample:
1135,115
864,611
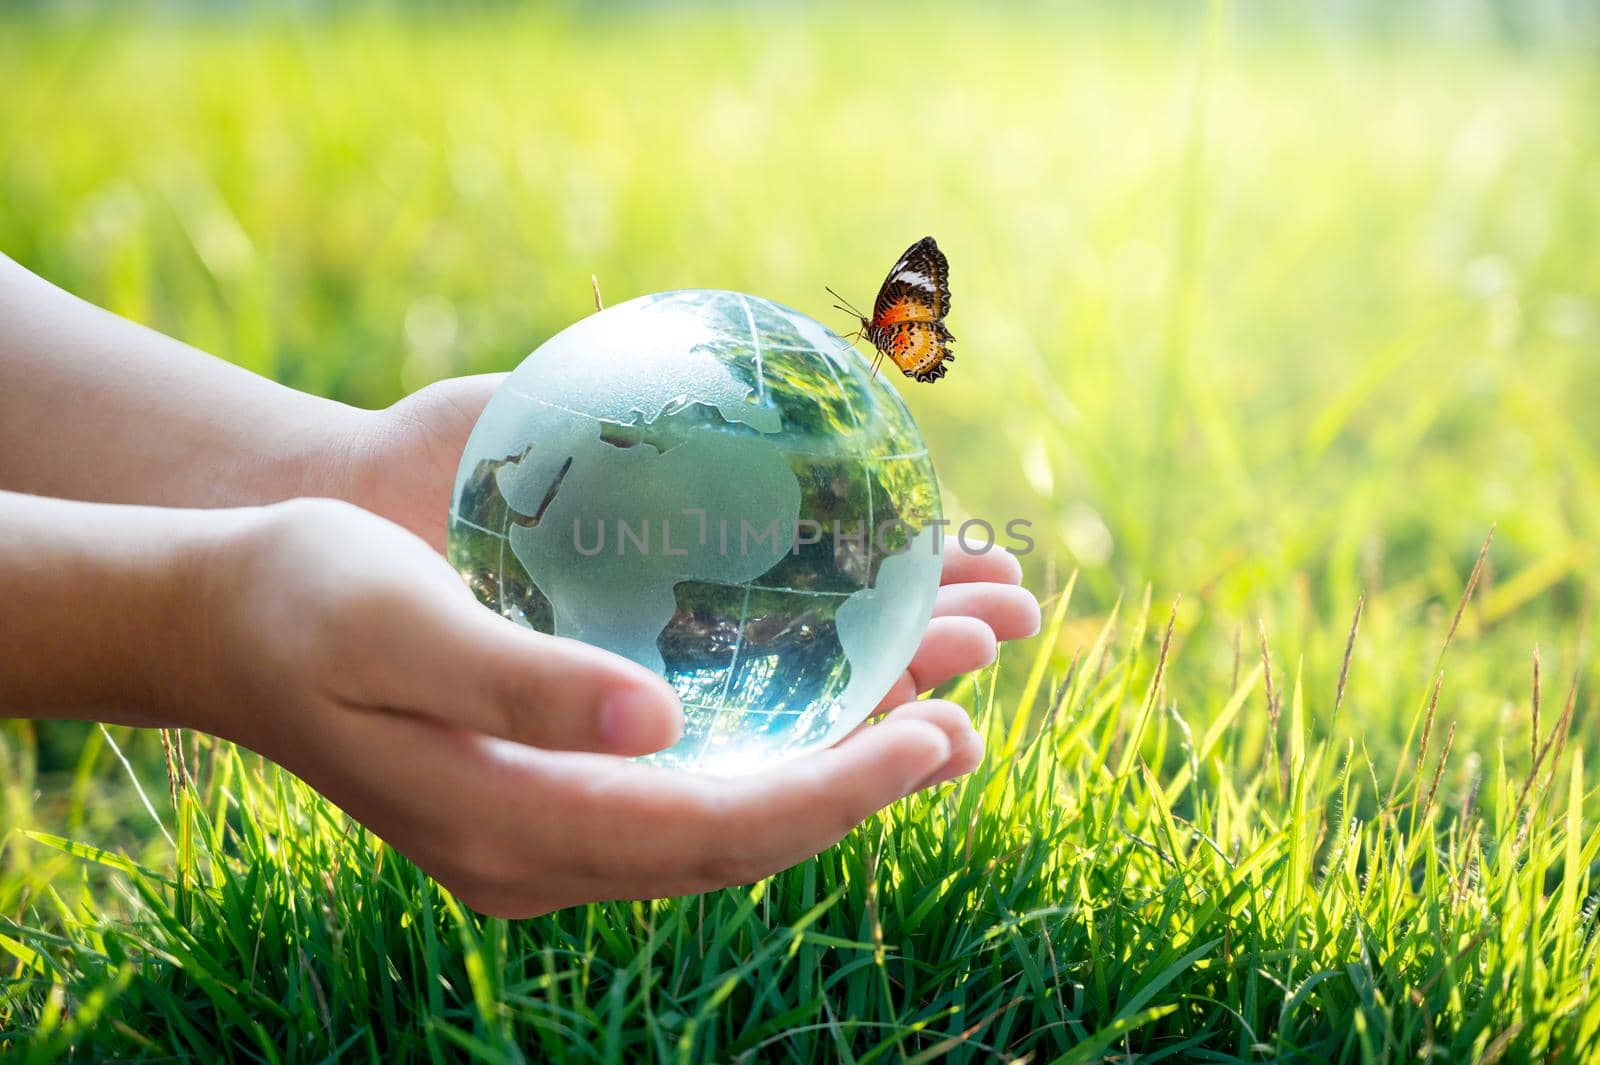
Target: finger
1012,613
461,665
751,827
996,565
966,745
629,830
903,691
806,805
950,647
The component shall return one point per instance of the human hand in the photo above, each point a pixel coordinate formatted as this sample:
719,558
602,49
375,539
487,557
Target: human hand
347,650
400,462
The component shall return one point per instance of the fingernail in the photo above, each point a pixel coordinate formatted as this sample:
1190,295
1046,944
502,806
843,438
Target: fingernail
633,721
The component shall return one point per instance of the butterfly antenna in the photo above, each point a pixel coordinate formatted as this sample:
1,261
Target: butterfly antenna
844,304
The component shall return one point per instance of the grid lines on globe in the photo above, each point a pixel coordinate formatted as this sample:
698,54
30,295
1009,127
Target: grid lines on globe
755,343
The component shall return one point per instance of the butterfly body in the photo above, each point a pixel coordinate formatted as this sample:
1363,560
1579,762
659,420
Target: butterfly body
907,322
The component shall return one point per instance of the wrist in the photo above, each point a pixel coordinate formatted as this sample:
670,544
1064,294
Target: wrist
191,677
237,599
99,609
313,453
352,467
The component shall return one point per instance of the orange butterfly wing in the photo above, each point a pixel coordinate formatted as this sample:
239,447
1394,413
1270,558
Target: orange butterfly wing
908,318
920,349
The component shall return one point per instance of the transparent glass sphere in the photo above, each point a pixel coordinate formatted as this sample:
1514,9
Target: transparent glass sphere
716,487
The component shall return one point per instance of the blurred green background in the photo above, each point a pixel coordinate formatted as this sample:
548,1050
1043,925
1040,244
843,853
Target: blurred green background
1235,299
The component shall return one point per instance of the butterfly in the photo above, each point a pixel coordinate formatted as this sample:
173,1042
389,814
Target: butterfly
907,323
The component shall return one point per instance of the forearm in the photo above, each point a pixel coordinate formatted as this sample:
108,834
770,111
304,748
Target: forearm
95,407
97,604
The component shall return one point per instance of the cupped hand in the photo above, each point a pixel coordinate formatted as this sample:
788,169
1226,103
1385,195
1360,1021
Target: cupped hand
348,651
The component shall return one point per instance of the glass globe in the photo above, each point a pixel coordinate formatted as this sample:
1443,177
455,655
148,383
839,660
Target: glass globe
716,487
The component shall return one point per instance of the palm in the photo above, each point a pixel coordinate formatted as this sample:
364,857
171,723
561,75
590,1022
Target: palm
406,468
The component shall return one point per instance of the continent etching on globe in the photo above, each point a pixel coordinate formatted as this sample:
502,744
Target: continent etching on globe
622,598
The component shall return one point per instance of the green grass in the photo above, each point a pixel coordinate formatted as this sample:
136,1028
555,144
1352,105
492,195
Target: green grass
1258,319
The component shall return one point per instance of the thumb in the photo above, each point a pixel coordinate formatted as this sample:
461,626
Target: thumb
467,666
